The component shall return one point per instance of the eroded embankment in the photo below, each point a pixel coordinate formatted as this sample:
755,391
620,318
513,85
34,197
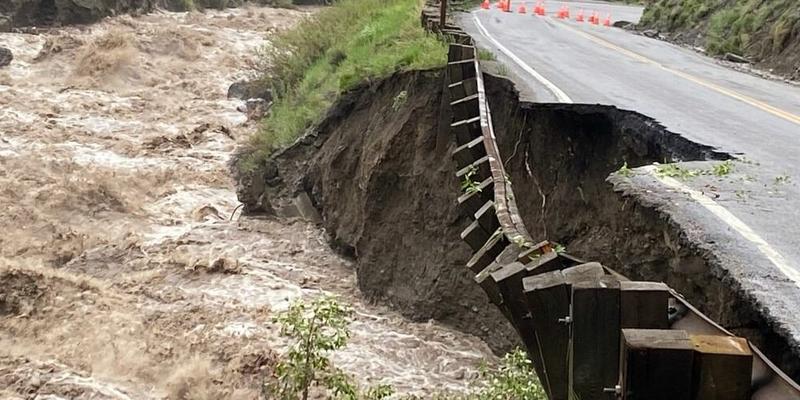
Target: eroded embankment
380,171
559,156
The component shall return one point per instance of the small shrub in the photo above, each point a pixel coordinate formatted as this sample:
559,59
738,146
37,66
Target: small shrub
723,168
317,328
675,171
486,55
502,70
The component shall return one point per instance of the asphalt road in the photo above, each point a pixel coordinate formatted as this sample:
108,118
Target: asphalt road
753,214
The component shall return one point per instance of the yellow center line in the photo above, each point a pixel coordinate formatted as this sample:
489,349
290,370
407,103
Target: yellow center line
717,88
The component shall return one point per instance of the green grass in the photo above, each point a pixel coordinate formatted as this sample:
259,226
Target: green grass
486,55
341,46
747,27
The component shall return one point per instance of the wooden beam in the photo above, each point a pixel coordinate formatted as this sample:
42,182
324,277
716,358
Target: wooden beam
594,354
644,305
722,368
656,364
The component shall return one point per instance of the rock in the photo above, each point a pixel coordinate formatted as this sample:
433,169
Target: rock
5,23
255,108
5,56
736,58
651,33
624,24
245,90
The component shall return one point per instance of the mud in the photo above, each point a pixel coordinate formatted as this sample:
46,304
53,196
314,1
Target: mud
380,173
125,272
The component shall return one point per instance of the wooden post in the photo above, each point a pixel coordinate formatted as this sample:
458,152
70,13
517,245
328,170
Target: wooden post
722,368
509,282
443,13
656,364
644,305
594,353
548,297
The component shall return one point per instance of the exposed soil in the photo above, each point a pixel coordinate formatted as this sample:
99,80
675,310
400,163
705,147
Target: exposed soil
122,275
559,158
382,177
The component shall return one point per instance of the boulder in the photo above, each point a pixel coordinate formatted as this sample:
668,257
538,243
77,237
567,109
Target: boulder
5,56
245,90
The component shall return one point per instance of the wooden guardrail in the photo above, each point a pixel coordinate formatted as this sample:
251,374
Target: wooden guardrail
590,332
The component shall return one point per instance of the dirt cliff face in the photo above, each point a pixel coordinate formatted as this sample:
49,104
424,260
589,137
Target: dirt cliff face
379,169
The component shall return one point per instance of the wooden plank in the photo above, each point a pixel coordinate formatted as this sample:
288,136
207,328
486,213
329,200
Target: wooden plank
594,362
644,305
509,282
475,235
469,152
548,297
487,218
722,368
656,364
488,252
583,272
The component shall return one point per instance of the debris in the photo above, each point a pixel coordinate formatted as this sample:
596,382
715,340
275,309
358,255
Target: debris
736,58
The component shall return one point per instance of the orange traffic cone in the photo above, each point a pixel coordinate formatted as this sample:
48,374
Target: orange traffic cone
522,9
508,6
560,13
542,11
607,22
485,5
579,18
594,19
566,12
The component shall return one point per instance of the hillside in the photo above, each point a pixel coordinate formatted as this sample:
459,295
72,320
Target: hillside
766,31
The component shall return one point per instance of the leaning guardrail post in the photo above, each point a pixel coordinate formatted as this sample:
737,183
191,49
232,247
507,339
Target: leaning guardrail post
594,354
656,364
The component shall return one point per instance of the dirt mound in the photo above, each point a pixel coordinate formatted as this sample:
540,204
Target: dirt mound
379,169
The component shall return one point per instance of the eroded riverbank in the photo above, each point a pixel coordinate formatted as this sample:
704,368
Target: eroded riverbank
122,275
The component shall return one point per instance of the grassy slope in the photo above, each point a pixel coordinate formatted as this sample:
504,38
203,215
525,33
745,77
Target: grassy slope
352,41
766,30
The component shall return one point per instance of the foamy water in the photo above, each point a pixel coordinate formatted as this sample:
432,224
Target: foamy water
114,141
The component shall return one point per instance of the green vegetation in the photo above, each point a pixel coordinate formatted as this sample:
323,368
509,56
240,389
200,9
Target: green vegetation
625,171
351,42
468,185
486,55
723,169
756,28
321,326
675,171
782,179
317,328
502,70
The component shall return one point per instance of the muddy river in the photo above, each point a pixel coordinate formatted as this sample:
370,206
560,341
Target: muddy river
122,273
